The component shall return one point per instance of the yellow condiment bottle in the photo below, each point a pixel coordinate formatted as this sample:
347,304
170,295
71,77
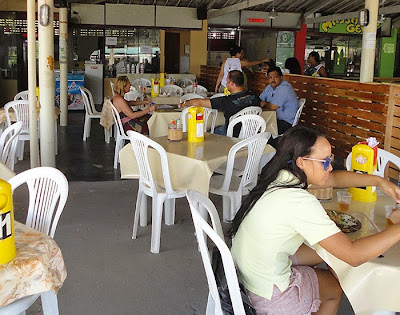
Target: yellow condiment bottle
7,240
195,124
162,79
154,88
362,161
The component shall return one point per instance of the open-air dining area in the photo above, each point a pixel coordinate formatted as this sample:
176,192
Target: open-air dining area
199,157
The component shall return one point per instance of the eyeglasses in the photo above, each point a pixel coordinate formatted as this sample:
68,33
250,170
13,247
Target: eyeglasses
326,162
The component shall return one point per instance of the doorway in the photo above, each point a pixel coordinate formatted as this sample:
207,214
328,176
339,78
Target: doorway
172,49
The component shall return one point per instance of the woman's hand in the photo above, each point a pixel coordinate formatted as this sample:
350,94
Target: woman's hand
147,102
152,108
390,189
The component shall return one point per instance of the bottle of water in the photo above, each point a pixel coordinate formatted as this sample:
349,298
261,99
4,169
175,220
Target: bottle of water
195,86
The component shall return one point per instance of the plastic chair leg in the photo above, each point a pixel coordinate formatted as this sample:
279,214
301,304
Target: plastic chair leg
85,135
226,206
49,303
107,135
170,211
156,219
19,306
118,146
137,213
143,211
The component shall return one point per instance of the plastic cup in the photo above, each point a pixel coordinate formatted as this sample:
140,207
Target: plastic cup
344,200
388,211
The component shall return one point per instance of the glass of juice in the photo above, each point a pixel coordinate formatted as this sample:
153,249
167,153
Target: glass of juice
344,200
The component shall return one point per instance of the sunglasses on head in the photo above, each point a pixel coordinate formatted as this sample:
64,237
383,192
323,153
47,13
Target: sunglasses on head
326,162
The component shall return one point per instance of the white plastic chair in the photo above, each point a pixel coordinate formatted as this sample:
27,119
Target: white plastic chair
383,158
112,88
91,112
190,96
172,90
132,96
48,193
251,125
203,229
198,90
301,103
149,187
185,82
121,135
231,187
251,110
8,144
217,95
184,118
21,110
207,113
21,96
143,82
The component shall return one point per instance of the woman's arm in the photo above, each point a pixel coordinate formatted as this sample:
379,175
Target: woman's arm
220,76
344,179
364,249
124,107
322,72
246,63
136,103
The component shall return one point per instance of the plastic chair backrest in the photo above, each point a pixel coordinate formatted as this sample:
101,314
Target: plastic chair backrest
144,82
217,95
21,96
207,113
186,81
383,158
112,88
215,234
21,109
184,118
88,101
251,125
255,147
48,193
140,145
117,120
251,110
302,101
8,144
199,89
172,89
190,96
132,95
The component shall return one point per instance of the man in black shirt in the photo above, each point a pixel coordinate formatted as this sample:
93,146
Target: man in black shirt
230,104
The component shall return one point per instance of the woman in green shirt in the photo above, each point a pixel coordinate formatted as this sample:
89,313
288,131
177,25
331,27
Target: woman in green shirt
279,217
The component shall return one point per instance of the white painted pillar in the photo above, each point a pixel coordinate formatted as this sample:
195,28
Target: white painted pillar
33,143
47,87
63,19
369,43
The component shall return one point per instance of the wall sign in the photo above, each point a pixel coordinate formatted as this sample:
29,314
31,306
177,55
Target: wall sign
111,41
345,26
255,20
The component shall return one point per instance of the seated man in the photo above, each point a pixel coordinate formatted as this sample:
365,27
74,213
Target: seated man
230,104
280,96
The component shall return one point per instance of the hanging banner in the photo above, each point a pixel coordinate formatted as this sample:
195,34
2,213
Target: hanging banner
345,26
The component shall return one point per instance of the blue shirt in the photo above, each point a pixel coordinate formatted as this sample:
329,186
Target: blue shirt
283,96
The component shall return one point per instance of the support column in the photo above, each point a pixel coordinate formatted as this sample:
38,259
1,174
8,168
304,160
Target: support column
300,45
46,85
33,143
63,19
369,43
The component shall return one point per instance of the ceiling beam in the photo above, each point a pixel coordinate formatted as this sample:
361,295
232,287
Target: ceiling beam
341,16
317,7
236,7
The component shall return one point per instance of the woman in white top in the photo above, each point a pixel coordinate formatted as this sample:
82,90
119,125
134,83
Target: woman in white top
315,69
280,216
236,62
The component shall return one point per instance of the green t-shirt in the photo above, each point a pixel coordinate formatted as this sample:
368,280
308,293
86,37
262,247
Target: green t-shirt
279,223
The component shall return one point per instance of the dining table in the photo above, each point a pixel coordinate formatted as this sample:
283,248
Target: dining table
373,287
38,268
162,116
191,165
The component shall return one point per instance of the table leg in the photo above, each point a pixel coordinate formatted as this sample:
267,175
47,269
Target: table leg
49,303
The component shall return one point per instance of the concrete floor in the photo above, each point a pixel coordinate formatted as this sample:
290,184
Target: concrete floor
108,272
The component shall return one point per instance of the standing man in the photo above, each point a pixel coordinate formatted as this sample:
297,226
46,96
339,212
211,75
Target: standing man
280,97
230,104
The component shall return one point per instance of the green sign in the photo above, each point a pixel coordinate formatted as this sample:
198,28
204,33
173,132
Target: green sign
387,55
345,26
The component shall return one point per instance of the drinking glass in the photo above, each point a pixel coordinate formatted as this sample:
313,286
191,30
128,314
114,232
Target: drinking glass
344,200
